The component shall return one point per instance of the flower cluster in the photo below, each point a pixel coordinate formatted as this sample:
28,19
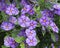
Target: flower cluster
27,9
31,40
47,21
26,21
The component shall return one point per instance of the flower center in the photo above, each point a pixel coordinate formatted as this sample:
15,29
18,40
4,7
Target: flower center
31,33
31,41
12,20
24,8
7,26
44,20
30,10
46,12
24,20
10,10
31,24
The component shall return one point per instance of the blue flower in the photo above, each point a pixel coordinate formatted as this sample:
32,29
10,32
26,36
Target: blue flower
7,26
10,42
23,21
30,33
12,19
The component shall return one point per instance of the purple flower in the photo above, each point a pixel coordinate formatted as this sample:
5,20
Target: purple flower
31,12
7,26
22,33
56,11
12,5
25,9
23,21
12,19
44,21
32,24
30,33
2,1
54,27
2,6
16,11
24,2
12,10
47,13
56,6
10,42
31,41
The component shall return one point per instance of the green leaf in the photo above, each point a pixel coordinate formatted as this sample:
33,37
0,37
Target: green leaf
19,39
53,37
32,47
43,33
48,5
4,46
4,16
22,45
8,2
15,32
40,1
37,39
38,25
17,3
37,10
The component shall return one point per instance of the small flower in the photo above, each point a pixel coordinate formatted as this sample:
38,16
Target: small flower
24,2
22,33
12,5
2,6
56,11
7,26
23,21
44,21
31,41
31,12
30,33
10,42
47,13
12,19
32,24
56,6
54,27
25,9
12,10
